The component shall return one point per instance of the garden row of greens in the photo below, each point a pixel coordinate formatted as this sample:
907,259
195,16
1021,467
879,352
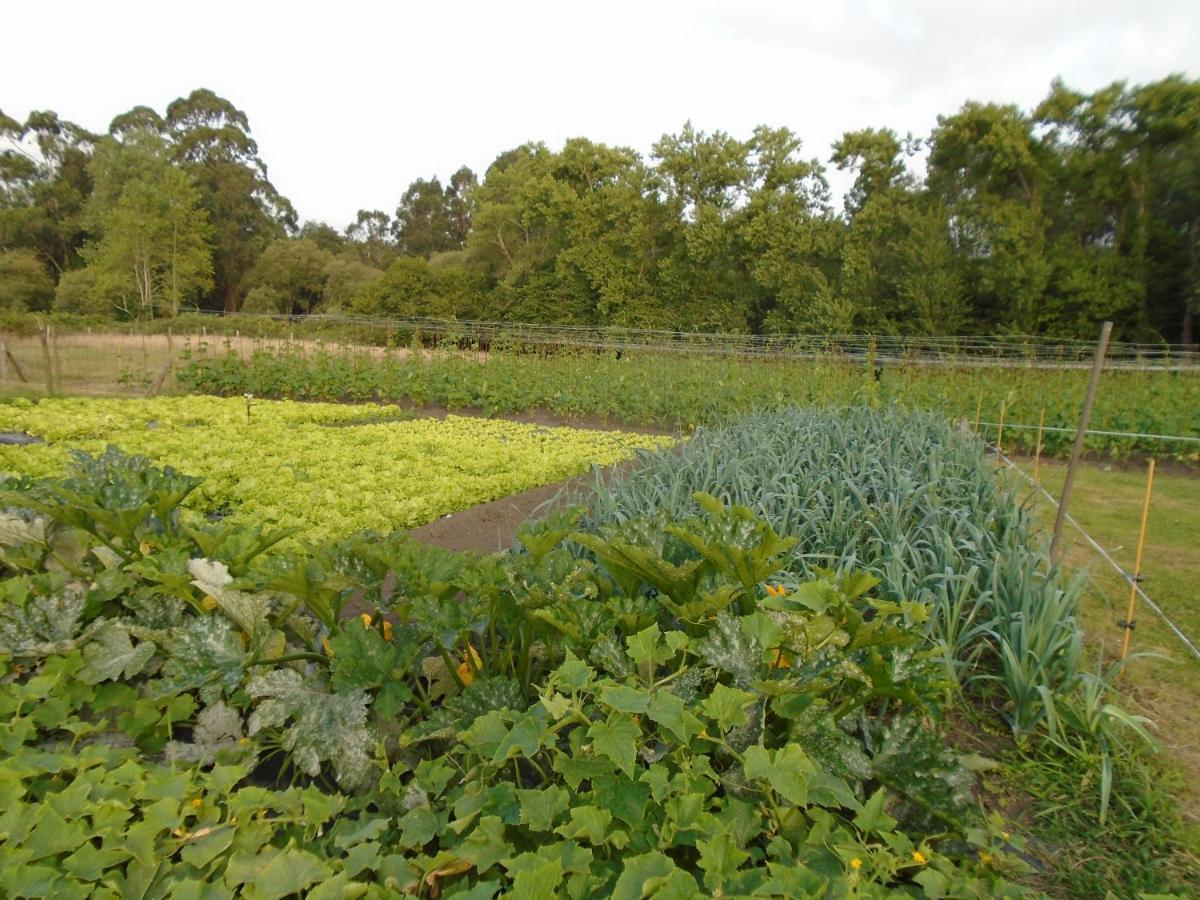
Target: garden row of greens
323,469
675,713
911,501
682,391
643,701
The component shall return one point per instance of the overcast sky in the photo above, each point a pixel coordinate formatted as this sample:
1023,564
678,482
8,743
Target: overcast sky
350,101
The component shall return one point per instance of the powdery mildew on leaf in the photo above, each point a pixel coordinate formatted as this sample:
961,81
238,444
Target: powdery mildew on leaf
317,726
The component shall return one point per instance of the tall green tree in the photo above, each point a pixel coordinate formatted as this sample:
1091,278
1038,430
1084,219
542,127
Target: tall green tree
425,221
289,277
988,169
1165,132
25,285
899,270
460,198
44,186
789,239
371,233
210,139
153,254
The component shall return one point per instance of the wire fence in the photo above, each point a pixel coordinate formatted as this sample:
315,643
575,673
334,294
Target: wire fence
1103,553
132,363
964,350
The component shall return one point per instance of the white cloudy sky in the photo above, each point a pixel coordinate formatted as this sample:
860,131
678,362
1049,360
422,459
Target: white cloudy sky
350,101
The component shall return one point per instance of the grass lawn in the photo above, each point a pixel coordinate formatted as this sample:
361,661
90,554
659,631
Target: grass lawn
1107,502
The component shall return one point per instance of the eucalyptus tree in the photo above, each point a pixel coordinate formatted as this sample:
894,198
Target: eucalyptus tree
44,185
371,235
210,139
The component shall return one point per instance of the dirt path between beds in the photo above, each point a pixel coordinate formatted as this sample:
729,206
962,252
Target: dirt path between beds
491,527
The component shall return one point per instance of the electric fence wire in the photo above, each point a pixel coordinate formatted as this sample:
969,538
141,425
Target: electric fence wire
1120,434
1104,554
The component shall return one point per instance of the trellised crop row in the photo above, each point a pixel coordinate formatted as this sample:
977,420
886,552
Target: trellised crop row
684,391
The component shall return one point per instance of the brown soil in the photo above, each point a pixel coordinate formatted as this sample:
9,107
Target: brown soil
536,417
492,527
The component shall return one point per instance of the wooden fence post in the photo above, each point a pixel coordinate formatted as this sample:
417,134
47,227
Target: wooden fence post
44,334
1000,430
56,346
1085,416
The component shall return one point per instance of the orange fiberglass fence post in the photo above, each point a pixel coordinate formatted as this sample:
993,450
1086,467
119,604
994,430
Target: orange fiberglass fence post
1137,564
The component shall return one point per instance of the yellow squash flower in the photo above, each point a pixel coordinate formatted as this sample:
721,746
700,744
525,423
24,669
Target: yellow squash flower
471,664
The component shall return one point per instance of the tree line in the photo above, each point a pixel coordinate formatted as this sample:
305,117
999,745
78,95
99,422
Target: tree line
1038,222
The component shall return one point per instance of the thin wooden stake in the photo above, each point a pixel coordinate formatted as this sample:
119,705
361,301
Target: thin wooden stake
45,336
1085,416
1000,428
56,344
16,366
3,362
1137,564
1037,451
157,384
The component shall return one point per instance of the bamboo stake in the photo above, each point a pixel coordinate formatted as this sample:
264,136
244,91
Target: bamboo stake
1037,452
1000,428
1137,564
1077,449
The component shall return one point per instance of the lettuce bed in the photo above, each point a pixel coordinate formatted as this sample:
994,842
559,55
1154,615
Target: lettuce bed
282,464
